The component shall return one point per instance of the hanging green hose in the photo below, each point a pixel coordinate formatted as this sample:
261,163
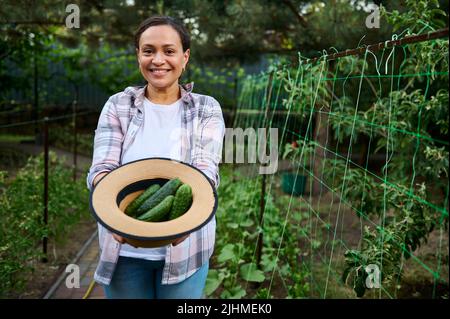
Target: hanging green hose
89,290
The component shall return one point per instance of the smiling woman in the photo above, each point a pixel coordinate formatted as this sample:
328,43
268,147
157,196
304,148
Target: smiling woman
161,119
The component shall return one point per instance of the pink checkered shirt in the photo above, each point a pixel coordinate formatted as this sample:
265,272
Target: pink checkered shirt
203,132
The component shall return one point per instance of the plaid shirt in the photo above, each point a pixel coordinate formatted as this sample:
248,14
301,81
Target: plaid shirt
203,130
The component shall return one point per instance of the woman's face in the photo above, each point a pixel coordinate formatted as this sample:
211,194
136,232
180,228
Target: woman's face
161,57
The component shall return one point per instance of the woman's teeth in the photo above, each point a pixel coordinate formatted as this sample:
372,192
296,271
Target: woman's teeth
159,71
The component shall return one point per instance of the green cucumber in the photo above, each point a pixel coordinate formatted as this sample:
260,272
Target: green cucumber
169,188
159,212
134,205
182,201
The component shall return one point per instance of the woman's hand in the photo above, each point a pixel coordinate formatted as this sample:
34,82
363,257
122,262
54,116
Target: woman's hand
179,240
118,238
122,240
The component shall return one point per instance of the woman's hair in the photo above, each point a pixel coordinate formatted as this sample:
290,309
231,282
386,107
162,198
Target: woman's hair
164,20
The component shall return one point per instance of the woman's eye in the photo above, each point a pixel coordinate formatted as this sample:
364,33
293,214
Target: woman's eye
170,52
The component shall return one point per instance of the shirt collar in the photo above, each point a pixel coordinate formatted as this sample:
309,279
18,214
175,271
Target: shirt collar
186,97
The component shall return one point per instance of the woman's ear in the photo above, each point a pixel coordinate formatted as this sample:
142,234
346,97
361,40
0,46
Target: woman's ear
137,54
186,57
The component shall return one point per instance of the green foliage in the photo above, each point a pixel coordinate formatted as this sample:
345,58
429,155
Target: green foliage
224,36
405,222
410,124
21,50
22,227
221,83
237,233
250,272
300,152
419,16
113,69
391,106
62,138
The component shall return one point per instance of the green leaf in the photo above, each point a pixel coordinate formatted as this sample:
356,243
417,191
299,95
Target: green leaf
250,272
233,225
247,223
234,293
268,263
315,243
213,281
352,257
226,253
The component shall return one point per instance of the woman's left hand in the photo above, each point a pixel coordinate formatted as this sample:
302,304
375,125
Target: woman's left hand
179,240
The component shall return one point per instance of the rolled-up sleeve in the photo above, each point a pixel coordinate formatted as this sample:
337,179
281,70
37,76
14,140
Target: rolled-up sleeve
107,143
209,141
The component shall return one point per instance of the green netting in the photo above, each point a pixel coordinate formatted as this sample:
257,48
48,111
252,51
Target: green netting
369,135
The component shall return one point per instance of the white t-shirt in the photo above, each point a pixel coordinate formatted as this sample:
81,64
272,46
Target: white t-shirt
159,136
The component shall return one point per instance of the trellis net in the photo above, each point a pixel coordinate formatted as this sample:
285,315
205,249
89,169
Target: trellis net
360,199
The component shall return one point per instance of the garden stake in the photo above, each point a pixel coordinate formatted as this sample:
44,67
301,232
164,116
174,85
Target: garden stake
44,243
263,182
74,109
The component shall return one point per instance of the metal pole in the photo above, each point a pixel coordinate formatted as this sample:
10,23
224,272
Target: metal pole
36,100
44,243
262,202
74,109
262,207
232,118
387,44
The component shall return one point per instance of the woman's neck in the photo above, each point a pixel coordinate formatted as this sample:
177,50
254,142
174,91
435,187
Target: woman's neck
163,96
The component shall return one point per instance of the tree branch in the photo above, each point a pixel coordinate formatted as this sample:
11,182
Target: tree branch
33,22
300,18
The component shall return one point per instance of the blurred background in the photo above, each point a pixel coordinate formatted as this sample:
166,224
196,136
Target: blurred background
46,67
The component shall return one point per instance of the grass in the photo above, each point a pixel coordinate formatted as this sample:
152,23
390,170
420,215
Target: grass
14,138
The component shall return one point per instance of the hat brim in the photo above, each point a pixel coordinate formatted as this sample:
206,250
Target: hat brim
122,185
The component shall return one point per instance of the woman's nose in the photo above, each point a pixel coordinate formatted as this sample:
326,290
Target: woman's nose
158,58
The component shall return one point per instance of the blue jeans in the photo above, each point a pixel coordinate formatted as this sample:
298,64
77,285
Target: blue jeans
136,278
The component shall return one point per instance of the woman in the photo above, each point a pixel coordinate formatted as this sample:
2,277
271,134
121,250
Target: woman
161,119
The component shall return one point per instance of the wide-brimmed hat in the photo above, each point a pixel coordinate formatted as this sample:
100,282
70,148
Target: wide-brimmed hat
119,187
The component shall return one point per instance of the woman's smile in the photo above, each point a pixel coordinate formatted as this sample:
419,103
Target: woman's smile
159,72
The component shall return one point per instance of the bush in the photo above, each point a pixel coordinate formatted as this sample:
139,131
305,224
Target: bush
22,227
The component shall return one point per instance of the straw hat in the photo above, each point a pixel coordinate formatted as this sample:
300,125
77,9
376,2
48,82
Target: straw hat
118,188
